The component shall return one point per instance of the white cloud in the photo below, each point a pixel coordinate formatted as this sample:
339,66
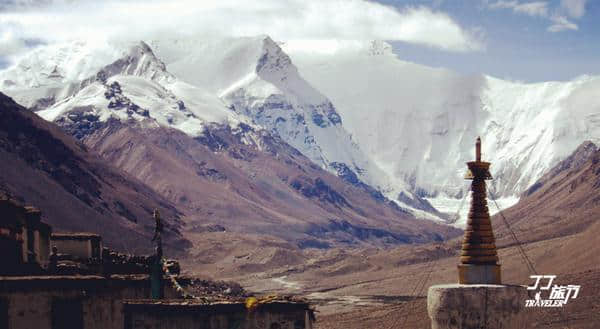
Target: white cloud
574,8
561,23
536,8
281,19
558,19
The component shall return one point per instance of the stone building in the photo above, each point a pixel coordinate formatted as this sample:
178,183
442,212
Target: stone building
92,287
24,239
80,245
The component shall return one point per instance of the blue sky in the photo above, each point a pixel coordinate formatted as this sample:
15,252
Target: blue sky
518,45
525,40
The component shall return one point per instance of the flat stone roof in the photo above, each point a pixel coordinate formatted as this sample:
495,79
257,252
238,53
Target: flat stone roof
135,277
198,305
54,282
75,236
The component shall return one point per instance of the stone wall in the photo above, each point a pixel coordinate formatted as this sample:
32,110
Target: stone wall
80,245
123,301
43,248
29,300
81,249
184,315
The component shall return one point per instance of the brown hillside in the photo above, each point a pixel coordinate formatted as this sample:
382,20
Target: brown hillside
75,189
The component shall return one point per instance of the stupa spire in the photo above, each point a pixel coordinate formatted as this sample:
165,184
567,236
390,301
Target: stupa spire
479,257
478,300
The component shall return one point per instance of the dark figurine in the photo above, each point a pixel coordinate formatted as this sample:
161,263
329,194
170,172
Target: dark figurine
52,264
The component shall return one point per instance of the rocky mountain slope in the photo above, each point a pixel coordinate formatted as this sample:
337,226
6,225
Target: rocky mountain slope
247,181
250,81
353,108
564,201
75,189
222,167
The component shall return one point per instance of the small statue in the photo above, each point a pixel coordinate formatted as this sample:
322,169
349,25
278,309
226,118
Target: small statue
156,274
158,228
52,265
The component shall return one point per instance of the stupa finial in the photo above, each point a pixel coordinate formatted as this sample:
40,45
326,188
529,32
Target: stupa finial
478,150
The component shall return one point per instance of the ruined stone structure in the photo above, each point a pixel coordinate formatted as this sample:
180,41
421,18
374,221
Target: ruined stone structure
87,286
24,239
69,301
479,300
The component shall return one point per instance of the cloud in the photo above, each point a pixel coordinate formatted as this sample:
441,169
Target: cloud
561,23
536,8
281,19
558,17
22,4
574,8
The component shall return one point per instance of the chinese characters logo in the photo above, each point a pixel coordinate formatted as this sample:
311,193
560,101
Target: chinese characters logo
558,295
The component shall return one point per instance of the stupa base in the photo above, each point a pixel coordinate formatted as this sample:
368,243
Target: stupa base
479,274
466,306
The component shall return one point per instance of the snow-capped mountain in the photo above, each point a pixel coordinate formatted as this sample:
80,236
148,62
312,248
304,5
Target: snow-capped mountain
258,85
418,123
257,80
221,164
138,86
397,129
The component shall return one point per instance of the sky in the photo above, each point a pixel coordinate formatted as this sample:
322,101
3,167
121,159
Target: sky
527,41
530,41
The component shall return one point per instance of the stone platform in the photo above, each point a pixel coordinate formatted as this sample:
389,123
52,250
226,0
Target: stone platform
477,306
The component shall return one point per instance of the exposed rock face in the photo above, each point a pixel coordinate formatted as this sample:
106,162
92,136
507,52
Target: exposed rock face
118,101
247,180
343,231
80,122
319,190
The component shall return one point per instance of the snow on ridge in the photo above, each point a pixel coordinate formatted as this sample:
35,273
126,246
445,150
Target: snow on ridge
338,47
249,80
403,128
418,124
275,96
133,85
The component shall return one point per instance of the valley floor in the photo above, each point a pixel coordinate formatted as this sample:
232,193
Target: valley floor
378,288
583,312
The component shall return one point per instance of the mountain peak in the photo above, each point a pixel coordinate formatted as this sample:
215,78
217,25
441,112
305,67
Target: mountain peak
140,61
273,58
144,47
